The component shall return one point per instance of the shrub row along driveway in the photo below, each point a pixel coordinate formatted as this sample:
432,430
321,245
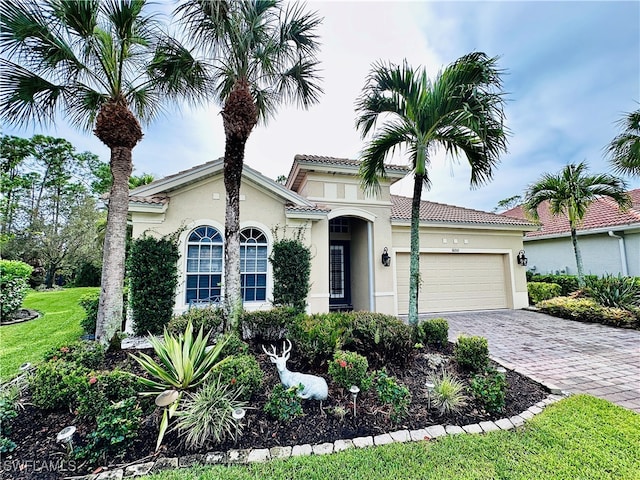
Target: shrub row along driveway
578,357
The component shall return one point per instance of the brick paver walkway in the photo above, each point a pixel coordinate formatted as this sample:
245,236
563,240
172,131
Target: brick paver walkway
578,357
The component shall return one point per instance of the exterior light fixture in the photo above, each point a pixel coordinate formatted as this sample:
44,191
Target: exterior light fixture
386,259
430,390
65,436
238,414
354,393
522,260
167,397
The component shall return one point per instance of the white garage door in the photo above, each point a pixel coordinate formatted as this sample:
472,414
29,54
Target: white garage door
454,282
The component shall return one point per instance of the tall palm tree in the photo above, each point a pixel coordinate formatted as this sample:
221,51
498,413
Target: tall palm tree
624,149
104,65
264,54
461,110
569,193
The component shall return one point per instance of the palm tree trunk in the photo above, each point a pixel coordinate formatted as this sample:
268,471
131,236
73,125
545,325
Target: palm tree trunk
109,320
414,259
233,163
576,250
239,116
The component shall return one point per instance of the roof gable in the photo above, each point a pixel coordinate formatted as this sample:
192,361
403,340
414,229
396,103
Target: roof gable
601,214
162,187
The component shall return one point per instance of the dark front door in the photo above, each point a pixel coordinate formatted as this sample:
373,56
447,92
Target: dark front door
339,276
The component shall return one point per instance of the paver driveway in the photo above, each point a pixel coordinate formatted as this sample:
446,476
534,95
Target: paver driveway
578,357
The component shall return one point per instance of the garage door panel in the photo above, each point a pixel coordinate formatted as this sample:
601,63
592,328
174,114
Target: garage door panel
454,282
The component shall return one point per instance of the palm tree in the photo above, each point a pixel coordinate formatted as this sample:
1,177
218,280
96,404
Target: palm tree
104,65
461,110
264,54
624,149
570,193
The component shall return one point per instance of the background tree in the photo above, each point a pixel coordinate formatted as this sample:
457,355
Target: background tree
569,193
624,149
507,203
105,65
264,54
461,110
13,153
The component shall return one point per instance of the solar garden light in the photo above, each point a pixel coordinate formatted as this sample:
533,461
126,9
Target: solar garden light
166,398
430,388
354,393
66,436
25,367
238,414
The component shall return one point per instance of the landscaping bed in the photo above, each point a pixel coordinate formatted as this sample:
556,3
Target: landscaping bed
34,430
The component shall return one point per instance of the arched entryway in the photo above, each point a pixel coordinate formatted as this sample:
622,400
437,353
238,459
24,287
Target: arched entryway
350,264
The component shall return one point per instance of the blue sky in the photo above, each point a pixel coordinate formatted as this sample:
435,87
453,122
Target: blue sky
572,70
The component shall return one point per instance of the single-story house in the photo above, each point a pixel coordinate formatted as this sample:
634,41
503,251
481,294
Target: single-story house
468,257
608,238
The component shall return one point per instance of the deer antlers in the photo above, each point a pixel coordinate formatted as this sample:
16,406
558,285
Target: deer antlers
285,350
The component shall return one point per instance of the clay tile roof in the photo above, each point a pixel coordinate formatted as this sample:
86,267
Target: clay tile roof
602,213
298,208
150,200
322,160
440,212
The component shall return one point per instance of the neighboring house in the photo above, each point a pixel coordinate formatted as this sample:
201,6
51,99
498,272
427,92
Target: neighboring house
468,257
608,238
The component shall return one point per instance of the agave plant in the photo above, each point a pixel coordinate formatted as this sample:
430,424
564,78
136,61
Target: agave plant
185,362
614,291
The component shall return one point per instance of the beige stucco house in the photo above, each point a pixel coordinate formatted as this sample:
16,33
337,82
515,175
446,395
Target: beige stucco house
468,257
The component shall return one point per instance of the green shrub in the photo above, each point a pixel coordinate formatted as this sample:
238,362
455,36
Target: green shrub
448,393
152,300
434,331
209,318
283,403
489,388
241,373
539,291
117,427
383,339
86,354
291,262
472,353
8,412
394,394
103,388
208,414
13,286
614,291
233,346
588,310
267,325
568,283
55,385
90,303
318,336
350,368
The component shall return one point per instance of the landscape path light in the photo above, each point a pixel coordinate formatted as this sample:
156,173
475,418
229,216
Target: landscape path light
65,436
354,393
430,389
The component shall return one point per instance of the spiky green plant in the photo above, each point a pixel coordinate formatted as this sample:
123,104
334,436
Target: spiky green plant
208,414
184,364
448,393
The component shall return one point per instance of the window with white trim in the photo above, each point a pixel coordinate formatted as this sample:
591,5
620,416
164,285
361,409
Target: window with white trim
204,265
253,265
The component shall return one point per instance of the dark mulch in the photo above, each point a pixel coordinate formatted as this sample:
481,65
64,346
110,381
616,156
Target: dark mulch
19,316
39,457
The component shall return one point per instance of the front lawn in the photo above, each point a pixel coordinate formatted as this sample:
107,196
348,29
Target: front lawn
581,437
28,341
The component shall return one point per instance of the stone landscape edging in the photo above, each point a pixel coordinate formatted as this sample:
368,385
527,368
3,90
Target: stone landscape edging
260,455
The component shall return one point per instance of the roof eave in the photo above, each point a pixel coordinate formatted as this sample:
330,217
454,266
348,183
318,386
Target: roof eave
471,225
592,231
143,207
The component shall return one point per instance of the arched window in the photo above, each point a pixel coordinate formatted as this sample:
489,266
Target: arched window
204,265
253,265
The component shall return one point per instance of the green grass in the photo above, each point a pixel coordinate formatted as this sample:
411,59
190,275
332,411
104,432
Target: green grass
581,437
28,341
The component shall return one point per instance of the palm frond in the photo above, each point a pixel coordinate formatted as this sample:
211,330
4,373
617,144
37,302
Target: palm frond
27,97
624,149
80,17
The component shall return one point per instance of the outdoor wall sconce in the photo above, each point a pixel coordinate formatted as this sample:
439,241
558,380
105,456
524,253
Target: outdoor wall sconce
386,259
522,260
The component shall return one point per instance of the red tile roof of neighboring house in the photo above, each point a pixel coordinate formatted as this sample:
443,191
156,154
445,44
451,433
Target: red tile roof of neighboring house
602,213
439,212
321,159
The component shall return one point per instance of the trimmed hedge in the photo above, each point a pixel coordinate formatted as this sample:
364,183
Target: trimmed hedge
539,291
588,310
153,272
291,262
568,283
433,331
208,318
13,286
267,325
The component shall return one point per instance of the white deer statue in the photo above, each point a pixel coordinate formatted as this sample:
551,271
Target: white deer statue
313,387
